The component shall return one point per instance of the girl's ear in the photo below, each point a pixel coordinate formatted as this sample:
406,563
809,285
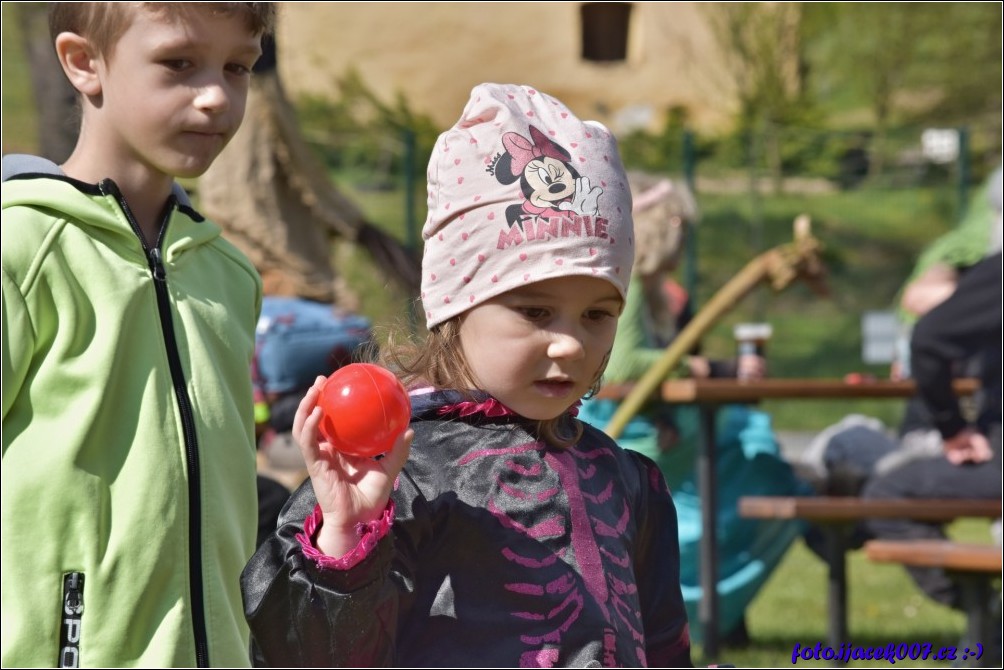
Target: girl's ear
80,63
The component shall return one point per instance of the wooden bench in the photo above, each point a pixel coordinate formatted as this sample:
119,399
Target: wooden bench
972,566
837,516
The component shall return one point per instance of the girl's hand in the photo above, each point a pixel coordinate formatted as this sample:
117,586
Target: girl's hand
349,489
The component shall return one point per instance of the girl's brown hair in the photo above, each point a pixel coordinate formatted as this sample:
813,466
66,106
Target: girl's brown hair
439,361
103,23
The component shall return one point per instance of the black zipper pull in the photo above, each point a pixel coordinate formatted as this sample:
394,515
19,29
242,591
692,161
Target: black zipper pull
69,630
157,265
74,603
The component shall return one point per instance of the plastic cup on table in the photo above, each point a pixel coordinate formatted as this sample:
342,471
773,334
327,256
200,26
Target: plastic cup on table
751,342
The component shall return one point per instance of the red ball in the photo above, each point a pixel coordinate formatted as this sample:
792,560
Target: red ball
365,409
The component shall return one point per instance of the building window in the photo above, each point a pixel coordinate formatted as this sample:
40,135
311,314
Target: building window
605,31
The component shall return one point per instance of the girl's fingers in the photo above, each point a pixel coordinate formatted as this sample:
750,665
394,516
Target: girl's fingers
304,409
398,455
308,437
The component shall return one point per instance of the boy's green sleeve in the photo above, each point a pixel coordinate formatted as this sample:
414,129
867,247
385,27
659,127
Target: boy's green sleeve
16,343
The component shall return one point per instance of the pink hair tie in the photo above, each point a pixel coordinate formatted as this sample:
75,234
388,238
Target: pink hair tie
652,196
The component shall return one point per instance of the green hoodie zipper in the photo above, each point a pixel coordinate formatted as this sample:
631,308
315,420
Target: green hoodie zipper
159,273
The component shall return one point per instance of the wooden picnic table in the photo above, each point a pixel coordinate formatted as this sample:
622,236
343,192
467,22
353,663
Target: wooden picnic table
709,395
837,516
973,567
961,556
834,508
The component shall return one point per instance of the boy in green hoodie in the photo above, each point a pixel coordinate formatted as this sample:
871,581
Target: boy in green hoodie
128,328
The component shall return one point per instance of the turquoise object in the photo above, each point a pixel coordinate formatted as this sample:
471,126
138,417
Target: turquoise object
749,462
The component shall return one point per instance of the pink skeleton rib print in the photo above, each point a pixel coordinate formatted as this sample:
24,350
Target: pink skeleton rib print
585,530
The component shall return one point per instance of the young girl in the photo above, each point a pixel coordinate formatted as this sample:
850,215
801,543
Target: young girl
499,530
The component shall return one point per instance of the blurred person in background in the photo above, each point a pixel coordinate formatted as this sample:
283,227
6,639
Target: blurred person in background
748,453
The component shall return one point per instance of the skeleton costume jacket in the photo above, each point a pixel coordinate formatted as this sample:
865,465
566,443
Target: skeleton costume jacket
503,552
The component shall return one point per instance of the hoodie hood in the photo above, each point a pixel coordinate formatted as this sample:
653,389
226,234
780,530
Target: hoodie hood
26,165
39,183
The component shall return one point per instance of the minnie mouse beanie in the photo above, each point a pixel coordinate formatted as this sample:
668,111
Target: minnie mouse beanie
520,190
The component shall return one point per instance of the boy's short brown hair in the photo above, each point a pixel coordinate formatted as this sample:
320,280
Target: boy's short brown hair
103,23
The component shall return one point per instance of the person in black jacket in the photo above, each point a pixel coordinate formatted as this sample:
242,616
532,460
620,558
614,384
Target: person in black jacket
965,324
969,321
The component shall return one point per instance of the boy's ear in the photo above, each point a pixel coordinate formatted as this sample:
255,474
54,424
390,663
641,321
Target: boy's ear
79,61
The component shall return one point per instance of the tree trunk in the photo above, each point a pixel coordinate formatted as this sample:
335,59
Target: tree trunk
255,193
273,198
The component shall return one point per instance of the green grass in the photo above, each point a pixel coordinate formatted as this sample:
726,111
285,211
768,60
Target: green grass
883,606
